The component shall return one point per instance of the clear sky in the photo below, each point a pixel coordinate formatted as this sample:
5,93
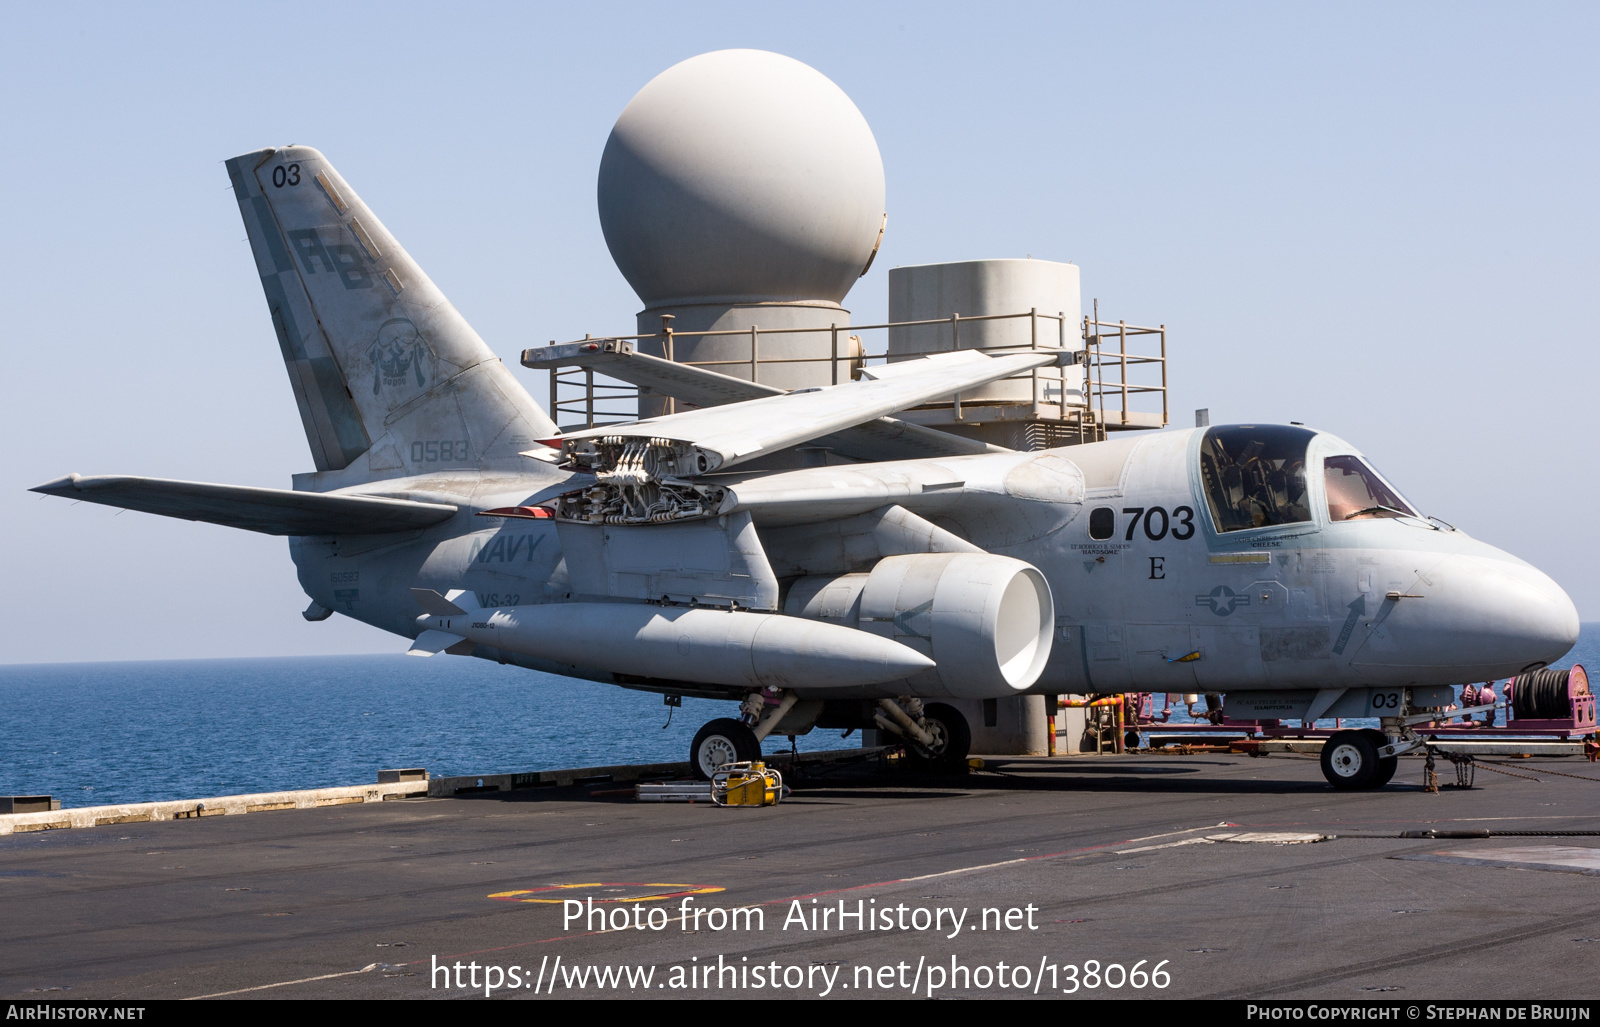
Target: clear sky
1379,219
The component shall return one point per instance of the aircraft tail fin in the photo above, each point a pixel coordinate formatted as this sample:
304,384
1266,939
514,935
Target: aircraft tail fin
389,378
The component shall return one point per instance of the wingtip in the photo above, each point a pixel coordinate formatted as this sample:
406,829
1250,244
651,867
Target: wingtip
65,485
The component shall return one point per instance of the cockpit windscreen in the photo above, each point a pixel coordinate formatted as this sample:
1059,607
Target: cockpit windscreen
1355,491
1255,475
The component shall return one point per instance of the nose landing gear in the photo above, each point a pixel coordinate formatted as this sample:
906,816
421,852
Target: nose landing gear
1353,759
1368,758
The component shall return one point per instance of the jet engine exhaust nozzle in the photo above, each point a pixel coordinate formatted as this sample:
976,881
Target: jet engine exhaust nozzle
987,620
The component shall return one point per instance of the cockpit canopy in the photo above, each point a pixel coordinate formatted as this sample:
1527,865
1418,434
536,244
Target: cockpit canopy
1355,491
1255,476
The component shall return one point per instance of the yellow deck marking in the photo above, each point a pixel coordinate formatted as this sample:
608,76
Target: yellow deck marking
661,891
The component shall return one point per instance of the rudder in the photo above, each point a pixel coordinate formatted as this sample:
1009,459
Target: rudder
389,378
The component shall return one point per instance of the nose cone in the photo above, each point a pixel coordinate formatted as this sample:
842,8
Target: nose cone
1537,617
1479,618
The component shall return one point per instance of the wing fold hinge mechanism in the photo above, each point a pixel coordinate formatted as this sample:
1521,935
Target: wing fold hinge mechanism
638,481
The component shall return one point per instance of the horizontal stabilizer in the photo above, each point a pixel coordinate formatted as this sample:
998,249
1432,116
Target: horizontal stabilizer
738,432
884,438
433,642
270,511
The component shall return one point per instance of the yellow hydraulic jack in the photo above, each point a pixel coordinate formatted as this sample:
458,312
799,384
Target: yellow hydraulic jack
746,784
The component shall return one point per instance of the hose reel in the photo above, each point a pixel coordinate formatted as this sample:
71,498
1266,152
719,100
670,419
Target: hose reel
1548,694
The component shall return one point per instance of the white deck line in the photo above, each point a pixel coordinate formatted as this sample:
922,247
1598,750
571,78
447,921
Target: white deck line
224,805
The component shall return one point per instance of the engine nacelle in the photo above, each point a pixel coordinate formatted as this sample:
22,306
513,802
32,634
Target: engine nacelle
986,620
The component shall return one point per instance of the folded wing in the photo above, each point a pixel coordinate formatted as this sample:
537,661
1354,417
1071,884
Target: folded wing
882,438
718,437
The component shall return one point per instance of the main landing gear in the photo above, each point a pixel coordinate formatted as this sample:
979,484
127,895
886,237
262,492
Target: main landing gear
948,740
723,740
935,735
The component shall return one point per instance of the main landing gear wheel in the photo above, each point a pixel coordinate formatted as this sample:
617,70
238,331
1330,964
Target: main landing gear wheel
1350,761
952,738
723,740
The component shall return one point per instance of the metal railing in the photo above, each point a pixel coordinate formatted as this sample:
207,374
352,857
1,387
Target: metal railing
592,400
1095,335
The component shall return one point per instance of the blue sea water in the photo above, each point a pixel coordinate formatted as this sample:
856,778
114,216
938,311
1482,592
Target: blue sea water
93,734
101,733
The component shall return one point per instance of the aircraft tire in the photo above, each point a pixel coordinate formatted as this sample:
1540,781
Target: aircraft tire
1387,765
1350,761
720,741
949,728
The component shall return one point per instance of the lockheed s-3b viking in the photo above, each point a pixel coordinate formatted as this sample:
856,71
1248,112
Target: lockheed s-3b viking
810,556
1268,562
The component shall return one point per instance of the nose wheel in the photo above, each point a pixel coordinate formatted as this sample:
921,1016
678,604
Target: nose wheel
1350,760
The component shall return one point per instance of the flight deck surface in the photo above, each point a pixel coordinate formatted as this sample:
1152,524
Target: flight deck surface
1115,854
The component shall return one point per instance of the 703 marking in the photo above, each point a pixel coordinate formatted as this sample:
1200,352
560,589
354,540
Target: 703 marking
1182,530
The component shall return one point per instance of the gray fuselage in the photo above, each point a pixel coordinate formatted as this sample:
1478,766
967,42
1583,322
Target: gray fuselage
1163,601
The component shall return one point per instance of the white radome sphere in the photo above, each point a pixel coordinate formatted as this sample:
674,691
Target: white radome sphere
741,176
